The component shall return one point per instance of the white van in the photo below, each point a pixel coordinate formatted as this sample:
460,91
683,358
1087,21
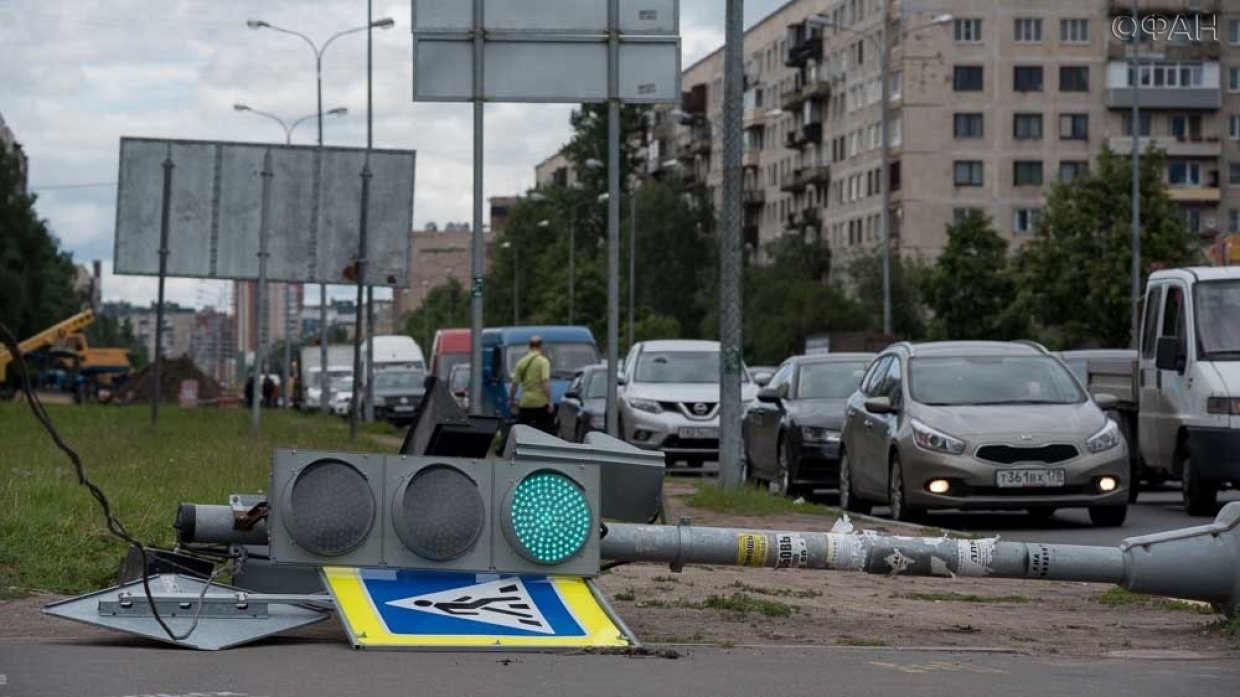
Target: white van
395,351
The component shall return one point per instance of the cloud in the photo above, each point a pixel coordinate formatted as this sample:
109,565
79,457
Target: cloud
79,74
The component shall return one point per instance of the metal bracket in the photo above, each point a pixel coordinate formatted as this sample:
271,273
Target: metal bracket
682,549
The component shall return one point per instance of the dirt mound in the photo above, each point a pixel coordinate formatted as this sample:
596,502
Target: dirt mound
172,372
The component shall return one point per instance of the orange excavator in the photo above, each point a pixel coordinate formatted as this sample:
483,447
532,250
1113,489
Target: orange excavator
65,342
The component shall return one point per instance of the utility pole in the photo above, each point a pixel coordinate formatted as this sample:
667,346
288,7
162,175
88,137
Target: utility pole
730,251
1136,178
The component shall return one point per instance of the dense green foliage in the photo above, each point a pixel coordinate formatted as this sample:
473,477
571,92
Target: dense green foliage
972,289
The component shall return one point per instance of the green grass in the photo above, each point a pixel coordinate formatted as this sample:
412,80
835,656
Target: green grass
963,598
744,604
52,535
1120,597
1230,628
695,638
749,500
625,596
779,592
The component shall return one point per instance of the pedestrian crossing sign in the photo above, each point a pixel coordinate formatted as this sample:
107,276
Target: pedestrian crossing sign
383,608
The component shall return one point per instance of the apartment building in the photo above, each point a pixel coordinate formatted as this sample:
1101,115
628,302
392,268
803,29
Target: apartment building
990,102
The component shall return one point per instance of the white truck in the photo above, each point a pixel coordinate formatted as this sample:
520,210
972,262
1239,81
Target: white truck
339,366
399,372
1180,397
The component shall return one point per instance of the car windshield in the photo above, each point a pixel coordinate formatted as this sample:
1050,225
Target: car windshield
341,384
679,366
450,360
566,358
459,379
399,380
1218,320
992,380
829,380
596,385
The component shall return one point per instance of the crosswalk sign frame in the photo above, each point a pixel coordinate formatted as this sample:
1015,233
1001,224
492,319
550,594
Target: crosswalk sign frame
418,610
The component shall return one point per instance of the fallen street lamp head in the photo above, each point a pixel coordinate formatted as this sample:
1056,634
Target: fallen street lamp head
256,23
385,23
338,111
241,107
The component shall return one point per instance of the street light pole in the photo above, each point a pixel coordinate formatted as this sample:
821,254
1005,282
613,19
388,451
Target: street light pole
632,260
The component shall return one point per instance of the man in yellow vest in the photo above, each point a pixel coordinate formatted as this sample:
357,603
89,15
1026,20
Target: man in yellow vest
532,381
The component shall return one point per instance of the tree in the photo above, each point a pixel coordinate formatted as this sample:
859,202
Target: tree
36,277
907,308
445,306
1075,274
971,287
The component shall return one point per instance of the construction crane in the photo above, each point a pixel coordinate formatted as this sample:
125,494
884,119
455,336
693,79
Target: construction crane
68,339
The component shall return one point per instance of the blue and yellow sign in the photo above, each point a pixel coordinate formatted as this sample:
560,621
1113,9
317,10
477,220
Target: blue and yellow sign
409,609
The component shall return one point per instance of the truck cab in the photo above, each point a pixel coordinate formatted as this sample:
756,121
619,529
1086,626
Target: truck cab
1187,381
568,348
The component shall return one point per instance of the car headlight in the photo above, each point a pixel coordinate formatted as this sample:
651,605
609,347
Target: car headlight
815,434
1105,439
1223,405
646,405
934,440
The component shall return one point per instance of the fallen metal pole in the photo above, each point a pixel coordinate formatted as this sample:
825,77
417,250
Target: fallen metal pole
1199,563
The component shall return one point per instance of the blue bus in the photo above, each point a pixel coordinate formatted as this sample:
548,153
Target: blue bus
568,348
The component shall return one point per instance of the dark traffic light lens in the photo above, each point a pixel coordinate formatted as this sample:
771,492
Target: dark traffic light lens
549,517
440,514
331,508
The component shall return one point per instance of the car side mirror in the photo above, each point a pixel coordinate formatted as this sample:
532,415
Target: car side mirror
762,379
770,395
1106,402
879,406
1169,355
620,380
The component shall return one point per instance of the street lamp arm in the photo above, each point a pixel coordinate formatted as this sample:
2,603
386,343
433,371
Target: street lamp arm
288,130
298,122
337,35
303,37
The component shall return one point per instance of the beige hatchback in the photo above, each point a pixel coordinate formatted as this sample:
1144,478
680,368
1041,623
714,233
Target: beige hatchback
980,425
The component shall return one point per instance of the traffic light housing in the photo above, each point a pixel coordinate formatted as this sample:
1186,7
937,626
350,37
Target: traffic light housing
435,513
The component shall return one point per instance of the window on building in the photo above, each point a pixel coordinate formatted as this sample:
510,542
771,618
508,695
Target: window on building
1233,129
1145,123
1074,31
1071,169
959,214
1027,78
1233,79
1233,220
1074,78
1192,220
1186,126
968,30
1027,127
968,126
1027,173
1028,30
1074,126
1233,32
1183,173
968,78
968,172
1025,220
1233,173
1167,75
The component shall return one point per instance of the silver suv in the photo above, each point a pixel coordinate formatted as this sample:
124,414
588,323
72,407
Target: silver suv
670,399
981,425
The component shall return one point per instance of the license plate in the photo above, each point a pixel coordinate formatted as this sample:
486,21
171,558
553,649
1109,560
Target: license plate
1030,479
699,433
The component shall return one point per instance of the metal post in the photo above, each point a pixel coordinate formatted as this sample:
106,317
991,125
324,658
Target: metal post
730,252
370,144
164,222
516,288
285,395
1136,179
476,266
572,264
884,58
632,261
260,345
354,407
323,378
613,214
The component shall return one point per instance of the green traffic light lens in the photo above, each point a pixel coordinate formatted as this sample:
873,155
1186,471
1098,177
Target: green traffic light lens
550,517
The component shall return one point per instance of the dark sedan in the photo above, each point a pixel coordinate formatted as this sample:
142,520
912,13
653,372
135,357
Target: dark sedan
584,407
792,433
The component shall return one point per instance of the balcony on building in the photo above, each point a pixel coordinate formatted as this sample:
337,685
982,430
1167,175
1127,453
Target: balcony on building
1207,146
1118,49
694,140
751,158
754,196
791,100
819,175
803,45
1199,195
1166,85
795,182
754,117
795,140
812,132
816,87
1168,8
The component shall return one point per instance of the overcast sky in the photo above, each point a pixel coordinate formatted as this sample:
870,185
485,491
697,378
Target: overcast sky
76,75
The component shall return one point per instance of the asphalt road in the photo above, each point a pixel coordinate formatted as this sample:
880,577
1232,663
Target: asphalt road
110,668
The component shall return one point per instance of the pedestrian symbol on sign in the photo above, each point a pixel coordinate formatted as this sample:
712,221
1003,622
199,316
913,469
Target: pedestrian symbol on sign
505,603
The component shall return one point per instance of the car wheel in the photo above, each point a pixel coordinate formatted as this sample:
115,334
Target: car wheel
1200,498
1108,516
896,494
849,500
783,484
